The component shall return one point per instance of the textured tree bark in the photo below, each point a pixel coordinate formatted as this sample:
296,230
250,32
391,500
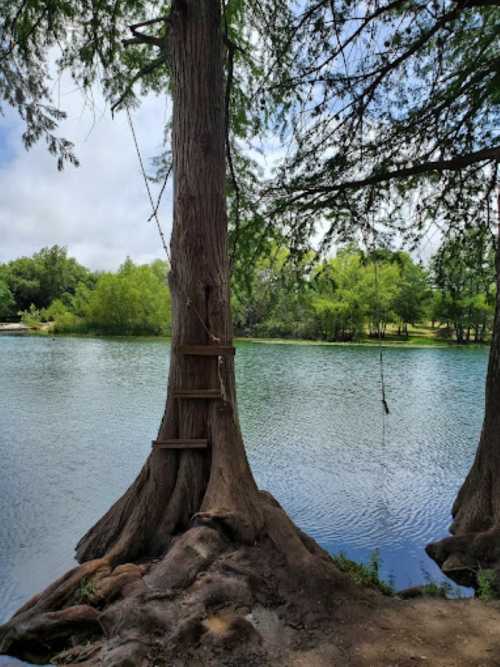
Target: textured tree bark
475,544
195,520
173,486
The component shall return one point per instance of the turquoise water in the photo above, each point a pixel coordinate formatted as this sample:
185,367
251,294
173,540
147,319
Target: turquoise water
77,417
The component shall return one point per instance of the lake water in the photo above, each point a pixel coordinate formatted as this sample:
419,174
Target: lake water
77,417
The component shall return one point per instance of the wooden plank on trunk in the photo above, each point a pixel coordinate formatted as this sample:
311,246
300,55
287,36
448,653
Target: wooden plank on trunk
205,350
206,394
181,443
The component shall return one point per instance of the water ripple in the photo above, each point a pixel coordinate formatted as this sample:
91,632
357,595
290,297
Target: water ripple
79,414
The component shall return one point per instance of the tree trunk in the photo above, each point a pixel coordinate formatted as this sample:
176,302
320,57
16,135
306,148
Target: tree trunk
475,544
174,485
200,532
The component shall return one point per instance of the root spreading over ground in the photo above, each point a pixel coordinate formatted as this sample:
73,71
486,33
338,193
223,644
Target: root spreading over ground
211,601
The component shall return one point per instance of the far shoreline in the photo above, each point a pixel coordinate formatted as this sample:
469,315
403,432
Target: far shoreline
412,342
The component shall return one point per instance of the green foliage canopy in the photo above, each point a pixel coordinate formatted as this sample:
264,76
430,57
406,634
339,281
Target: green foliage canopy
7,303
338,300
50,274
133,301
464,275
384,110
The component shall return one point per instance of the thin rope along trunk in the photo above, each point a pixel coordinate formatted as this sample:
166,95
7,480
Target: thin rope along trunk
192,539
174,485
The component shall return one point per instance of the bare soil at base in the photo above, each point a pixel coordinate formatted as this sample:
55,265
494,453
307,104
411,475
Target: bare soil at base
406,633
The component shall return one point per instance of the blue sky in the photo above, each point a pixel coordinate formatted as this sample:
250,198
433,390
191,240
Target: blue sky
8,131
99,210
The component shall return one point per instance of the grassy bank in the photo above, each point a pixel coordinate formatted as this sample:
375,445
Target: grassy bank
419,336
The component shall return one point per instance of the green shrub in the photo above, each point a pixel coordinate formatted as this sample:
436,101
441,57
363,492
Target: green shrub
487,584
133,301
434,590
86,591
32,317
364,574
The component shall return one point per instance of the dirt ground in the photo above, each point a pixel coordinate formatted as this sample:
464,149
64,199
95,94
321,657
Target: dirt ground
398,633
401,633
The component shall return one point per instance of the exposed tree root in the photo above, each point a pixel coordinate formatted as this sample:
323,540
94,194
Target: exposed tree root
475,541
462,557
207,597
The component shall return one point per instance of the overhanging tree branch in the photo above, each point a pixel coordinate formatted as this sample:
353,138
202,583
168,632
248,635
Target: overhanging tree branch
148,69
453,164
140,37
483,3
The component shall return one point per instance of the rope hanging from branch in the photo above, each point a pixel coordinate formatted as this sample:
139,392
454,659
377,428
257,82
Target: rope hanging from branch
370,248
380,340
154,208
154,216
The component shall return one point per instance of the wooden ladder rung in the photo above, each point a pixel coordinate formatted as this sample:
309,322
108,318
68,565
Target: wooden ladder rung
205,350
208,394
181,443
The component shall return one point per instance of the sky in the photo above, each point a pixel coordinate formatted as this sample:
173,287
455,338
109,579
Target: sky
99,210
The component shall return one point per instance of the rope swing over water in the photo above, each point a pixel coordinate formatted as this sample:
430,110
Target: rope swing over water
371,248
381,343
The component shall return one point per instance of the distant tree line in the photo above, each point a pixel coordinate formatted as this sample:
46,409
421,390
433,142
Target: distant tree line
352,295
358,293
463,271
38,280
52,287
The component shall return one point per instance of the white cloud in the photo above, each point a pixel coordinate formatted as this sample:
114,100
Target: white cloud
99,210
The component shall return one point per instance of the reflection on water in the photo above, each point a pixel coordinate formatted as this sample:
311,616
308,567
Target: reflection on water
77,417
